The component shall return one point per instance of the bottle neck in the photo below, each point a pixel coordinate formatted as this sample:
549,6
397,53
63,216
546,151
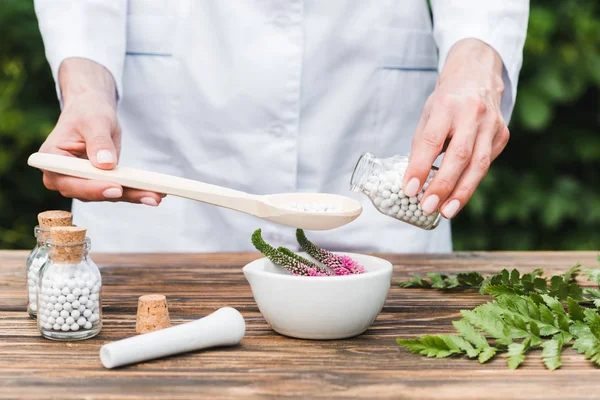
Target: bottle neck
41,235
363,169
70,253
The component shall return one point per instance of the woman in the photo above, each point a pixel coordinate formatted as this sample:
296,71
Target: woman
280,96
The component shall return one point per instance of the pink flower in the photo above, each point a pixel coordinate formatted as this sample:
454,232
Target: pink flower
352,265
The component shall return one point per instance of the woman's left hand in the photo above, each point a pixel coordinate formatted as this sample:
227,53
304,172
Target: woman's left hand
463,117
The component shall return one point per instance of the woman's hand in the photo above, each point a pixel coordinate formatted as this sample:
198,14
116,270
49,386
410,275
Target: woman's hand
88,128
462,114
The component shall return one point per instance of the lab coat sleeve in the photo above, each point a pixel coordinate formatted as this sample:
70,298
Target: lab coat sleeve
500,24
92,29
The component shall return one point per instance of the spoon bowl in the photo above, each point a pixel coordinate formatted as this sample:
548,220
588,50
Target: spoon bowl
346,210
272,207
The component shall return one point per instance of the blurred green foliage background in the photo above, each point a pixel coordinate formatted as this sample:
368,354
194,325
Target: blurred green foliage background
542,193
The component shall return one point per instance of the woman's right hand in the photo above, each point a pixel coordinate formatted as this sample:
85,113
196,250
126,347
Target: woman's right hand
88,128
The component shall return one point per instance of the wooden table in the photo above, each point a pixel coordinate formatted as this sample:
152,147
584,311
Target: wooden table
267,365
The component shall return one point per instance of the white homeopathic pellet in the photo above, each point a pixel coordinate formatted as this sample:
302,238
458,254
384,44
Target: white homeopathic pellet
71,300
32,279
385,191
311,207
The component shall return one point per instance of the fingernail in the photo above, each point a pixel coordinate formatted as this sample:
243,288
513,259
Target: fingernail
451,208
412,187
149,201
104,157
112,193
430,204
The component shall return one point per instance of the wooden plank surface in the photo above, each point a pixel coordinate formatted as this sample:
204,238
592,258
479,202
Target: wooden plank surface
267,365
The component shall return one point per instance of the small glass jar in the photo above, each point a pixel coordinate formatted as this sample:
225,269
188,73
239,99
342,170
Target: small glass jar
381,180
35,260
69,300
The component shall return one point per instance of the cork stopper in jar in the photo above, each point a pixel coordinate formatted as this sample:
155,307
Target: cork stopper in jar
67,243
152,313
49,219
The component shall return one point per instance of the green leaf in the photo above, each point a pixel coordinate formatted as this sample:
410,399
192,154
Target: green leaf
528,310
535,335
575,310
563,322
516,353
579,329
540,284
501,290
534,328
593,321
437,280
572,273
592,292
536,298
430,346
593,275
546,315
414,282
525,307
487,354
518,327
554,304
490,324
575,292
505,276
515,277
451,282
551,353
456,343
468,332
470,279
555,283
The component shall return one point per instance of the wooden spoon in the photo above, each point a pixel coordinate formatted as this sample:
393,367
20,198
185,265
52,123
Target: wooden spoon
272,207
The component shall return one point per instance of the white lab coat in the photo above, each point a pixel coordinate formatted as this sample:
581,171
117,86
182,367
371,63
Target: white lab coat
268,97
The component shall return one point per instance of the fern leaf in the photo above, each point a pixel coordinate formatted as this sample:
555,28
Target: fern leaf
593,275
490,324
572,273
430,346
414,282
516,353
575,310
437,280
487,354
502,290
551,353
469,333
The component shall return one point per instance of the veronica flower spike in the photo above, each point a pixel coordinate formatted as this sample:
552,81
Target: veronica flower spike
289,263
304,261
341,265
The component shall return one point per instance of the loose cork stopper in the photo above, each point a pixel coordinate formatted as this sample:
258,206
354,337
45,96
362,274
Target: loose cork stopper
49,219
63,239
152,313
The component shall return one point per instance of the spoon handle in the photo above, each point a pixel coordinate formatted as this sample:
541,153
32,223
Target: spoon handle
152,181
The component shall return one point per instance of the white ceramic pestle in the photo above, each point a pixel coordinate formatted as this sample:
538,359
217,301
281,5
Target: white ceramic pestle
272,207
224,327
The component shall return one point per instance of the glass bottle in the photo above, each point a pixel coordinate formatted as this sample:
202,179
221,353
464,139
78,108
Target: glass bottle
35,260
69,287
381,180
38,256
